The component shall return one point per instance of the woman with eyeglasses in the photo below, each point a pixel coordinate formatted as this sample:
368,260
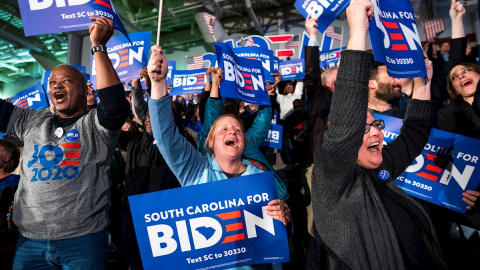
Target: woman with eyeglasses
463,115
363,220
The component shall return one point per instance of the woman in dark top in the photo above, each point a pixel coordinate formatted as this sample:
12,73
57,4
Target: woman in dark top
463,116
9,159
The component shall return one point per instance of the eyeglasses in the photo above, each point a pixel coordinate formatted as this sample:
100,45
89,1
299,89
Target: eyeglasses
378,124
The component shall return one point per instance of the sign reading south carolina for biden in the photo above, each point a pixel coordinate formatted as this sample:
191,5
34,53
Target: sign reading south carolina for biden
33,98
325,10
395,39
127,57
243,78
292,69
448,166
185,82
49,16
257,53
274,137
216,225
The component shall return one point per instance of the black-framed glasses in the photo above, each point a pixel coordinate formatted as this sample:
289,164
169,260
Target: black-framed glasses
378,124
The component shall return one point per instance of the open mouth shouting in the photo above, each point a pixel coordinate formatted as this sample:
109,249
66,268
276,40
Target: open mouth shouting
466,83
231,142
375,147
59,96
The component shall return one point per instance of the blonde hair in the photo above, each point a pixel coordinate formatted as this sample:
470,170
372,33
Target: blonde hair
211,134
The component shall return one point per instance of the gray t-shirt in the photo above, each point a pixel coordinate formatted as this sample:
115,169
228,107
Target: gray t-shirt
64,186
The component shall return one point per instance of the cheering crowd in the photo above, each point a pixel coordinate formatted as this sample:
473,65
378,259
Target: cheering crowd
66,209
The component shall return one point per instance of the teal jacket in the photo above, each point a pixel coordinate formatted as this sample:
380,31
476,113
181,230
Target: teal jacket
253,138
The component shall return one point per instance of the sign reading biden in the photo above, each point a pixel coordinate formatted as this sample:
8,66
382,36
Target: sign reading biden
33,98
221,224
326,11
395,39
448,166
243,78
127,57
185,82
274,137
49,16
292,69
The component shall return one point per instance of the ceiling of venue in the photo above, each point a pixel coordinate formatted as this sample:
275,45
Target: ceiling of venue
19,55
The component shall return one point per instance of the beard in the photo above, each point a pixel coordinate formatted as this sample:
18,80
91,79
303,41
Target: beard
387,93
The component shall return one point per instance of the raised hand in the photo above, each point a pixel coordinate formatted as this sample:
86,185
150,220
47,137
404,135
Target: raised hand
101,30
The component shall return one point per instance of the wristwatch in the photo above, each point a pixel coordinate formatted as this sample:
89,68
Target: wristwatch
100,48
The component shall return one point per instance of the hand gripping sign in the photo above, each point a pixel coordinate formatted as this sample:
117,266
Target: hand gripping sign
185,82
448,166
395,39
325,10
49,16
216,225
128,57
243,78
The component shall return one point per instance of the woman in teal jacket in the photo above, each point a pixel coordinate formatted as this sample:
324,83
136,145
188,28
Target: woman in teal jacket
225,141
254,136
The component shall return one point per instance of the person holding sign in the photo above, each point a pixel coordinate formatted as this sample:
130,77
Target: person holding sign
463,115
63,196
226,142
364,221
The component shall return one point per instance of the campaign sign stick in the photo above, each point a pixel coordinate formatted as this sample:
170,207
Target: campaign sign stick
127,57
395,39
33,98
243,78
292,69
257,53
325,11
448,166
172,65
216,225
48,16
186,82
274,137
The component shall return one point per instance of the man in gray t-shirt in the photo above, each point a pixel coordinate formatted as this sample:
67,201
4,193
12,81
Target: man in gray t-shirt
63,196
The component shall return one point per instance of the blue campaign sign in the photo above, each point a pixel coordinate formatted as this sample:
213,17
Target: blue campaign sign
33,98
128,57
276,65
395,39
274,137
447,167
243,78
325,11
187,82
292,69
211,58
65,16
172,65
220,224
329,59
266,56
